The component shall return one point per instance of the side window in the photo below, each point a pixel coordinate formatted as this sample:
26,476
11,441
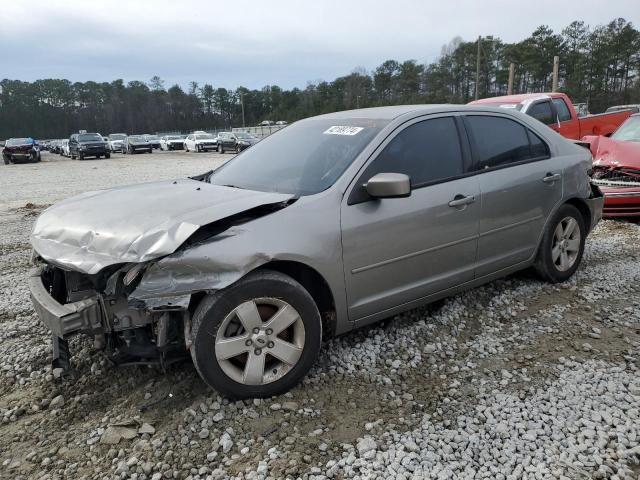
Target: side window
539,148
499,141
542,111
426,151
562,109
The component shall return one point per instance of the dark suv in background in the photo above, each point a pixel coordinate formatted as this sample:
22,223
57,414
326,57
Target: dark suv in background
83,145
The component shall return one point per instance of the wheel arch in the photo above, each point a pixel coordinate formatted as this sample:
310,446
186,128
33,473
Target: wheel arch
315,284
583,208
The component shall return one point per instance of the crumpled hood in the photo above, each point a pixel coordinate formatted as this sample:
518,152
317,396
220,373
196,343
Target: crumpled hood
608,152
135,223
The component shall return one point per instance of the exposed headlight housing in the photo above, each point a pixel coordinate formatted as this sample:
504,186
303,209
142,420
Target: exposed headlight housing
133,273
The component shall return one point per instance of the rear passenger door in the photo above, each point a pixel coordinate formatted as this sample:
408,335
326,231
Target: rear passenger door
397,250
520,184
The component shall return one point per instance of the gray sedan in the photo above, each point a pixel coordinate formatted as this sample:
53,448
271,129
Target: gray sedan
332,223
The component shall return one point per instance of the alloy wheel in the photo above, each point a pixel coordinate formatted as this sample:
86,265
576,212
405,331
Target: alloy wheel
566,244
260,341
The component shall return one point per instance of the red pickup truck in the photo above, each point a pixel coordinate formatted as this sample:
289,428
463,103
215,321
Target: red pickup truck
557,111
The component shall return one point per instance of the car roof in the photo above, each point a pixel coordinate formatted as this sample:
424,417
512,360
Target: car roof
393,112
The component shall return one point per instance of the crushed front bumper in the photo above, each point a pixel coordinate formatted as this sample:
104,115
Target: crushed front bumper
82,316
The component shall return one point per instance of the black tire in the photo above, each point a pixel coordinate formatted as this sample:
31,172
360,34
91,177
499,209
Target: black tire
545,265
7,159
213,309
81,156
237,149
220,148
107,155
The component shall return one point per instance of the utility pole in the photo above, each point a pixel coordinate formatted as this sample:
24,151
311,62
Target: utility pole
556,67
478,68
242,105
512,68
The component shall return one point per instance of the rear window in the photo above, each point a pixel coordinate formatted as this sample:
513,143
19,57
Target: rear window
541,111
562,109
499,141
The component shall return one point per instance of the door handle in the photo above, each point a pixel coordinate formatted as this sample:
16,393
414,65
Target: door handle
551,177
461,200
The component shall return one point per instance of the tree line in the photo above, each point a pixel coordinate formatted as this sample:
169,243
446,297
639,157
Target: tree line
599,65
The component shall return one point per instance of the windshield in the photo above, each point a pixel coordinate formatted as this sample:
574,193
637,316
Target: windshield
629,131
151,137
18,141
203,136
305,158
89,137
248,136
117,136
174,137
135,138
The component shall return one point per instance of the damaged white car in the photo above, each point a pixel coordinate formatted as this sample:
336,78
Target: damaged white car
332,223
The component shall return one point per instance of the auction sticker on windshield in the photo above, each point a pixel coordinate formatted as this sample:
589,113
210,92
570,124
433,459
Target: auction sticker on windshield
343,130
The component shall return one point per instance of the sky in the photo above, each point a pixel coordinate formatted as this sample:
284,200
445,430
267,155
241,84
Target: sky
262,42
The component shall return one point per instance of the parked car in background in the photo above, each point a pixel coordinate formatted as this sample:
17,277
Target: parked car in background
64,148
556,111
634,108
19,150
281,122
332,223
116,140
172,142
153,140
235,141
200,142
266,123
84,145
135,144
54,147
616,168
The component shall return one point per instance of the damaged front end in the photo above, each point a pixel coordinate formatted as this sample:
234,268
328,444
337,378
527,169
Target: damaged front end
621,188
131,331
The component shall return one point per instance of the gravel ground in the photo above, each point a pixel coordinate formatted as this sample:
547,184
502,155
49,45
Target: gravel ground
516,379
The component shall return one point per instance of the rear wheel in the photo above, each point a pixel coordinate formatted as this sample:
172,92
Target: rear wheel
107,155
256,338
220,148
562,245
81,156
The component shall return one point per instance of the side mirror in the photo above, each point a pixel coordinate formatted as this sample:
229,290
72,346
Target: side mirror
389,185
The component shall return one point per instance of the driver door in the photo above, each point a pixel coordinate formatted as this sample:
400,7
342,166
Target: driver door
397,250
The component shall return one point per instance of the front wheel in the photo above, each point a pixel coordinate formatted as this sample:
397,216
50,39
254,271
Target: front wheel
257,338
7,159
562,245
220,148
107,155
